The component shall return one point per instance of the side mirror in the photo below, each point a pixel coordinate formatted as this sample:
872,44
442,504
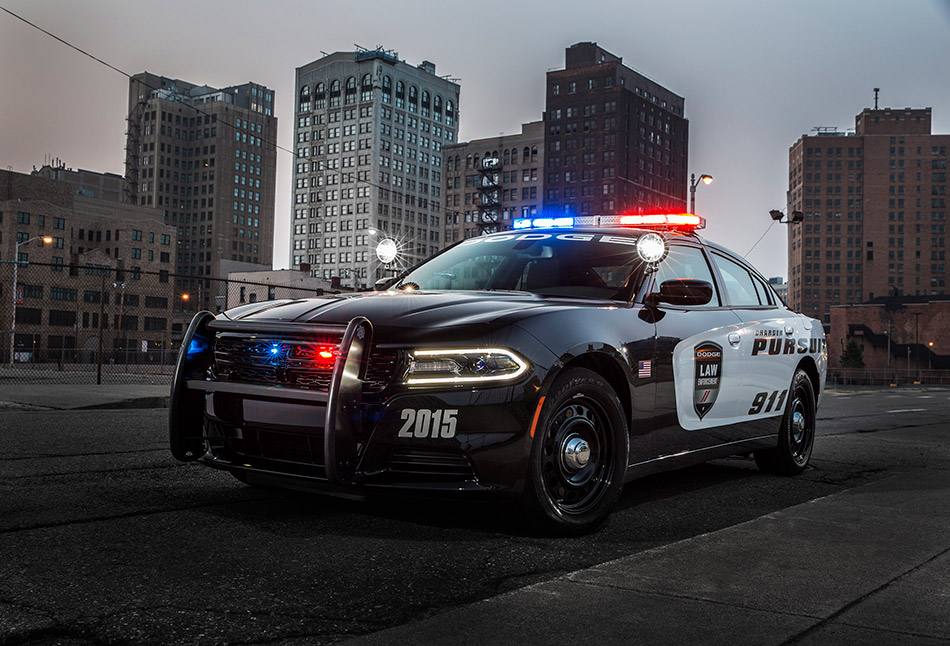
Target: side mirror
385,283
684,291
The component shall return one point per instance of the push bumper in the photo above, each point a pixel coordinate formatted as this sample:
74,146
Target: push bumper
343,442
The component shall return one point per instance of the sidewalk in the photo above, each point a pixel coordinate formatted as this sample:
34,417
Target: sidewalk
82,396
801,575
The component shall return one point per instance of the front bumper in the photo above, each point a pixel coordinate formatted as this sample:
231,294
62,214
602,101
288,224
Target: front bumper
346,442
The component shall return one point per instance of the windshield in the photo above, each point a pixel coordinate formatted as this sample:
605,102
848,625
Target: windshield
580,265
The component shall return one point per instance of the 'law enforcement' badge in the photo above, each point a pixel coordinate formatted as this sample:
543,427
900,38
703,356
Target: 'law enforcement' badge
708,359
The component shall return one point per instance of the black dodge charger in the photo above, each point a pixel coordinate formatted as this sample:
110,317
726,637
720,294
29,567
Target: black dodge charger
549,364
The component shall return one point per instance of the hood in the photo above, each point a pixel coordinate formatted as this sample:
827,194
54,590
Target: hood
426,310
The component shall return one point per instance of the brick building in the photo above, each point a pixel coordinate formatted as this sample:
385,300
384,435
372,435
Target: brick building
207,158
491,181
105,186
106,259
875,212
615,140
902,335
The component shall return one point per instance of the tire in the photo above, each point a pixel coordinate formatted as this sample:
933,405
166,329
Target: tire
796,437
569,491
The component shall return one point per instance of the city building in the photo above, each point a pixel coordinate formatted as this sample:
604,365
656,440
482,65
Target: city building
489,182
369,135
615,140
899,337
207,158
875,206
104,273
105,186
253,286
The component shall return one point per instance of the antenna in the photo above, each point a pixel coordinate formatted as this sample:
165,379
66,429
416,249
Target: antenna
876,90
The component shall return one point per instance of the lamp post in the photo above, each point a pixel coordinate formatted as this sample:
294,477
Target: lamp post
16,264
917,342
693,182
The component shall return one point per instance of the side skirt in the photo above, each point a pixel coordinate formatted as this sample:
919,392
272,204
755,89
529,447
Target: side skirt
698,456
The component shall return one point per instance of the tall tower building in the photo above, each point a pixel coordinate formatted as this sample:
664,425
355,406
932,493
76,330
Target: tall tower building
369,138
207,158
615,140
490,182
875,205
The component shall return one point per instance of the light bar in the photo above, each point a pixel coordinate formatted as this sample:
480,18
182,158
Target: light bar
542,223
668,221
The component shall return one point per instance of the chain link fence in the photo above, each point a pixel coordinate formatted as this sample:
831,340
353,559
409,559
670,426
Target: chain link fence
891,377
70,324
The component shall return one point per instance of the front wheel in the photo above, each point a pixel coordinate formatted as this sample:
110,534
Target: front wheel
578,457
796,436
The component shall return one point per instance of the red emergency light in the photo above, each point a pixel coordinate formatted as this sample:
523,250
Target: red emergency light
680,221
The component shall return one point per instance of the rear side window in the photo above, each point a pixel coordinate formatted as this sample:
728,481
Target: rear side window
739,285
686,262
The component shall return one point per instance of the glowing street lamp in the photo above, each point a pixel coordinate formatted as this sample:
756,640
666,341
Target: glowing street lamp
387,250
693,181
16,264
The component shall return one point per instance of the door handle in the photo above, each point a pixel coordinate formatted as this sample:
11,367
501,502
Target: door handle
789,330
734,339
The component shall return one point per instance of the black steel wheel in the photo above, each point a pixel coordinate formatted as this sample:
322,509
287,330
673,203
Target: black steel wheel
579,455
796,437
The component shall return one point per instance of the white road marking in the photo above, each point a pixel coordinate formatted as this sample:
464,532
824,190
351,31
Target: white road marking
925,397
907,410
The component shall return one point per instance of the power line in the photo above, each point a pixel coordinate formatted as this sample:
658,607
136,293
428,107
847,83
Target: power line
769,228
228,124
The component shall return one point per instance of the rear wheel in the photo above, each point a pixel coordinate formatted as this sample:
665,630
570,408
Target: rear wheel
579,455
796,436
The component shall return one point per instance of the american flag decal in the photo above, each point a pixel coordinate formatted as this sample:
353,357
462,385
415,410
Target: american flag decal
644,369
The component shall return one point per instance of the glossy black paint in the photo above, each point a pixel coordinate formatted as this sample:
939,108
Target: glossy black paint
551,333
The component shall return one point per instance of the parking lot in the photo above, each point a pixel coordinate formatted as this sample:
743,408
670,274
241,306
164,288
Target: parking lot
106,539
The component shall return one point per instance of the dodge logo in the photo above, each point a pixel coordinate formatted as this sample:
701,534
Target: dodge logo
708,359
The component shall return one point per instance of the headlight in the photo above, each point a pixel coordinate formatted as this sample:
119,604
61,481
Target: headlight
477,365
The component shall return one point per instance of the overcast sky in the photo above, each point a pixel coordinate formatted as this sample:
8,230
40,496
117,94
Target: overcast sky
756,74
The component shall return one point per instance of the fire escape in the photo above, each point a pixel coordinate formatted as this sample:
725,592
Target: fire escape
489,212
132,146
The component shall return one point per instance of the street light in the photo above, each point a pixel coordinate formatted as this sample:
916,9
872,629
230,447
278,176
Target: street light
386,250
693,182
16,264
796,217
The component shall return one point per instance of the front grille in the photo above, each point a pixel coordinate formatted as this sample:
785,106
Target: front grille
430,464
254,359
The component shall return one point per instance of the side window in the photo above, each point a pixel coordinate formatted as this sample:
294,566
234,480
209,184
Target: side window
738,283
686,262
766,295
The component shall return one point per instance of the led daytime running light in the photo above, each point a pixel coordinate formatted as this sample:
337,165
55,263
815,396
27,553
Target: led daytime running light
521,363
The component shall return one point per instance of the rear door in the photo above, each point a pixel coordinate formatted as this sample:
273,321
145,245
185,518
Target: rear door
771,342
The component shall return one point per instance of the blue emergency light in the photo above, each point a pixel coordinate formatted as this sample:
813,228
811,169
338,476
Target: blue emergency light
543,223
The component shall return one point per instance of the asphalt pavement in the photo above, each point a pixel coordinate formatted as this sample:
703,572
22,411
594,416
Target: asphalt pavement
109,541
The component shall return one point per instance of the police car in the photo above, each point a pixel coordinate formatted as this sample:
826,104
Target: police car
549,364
